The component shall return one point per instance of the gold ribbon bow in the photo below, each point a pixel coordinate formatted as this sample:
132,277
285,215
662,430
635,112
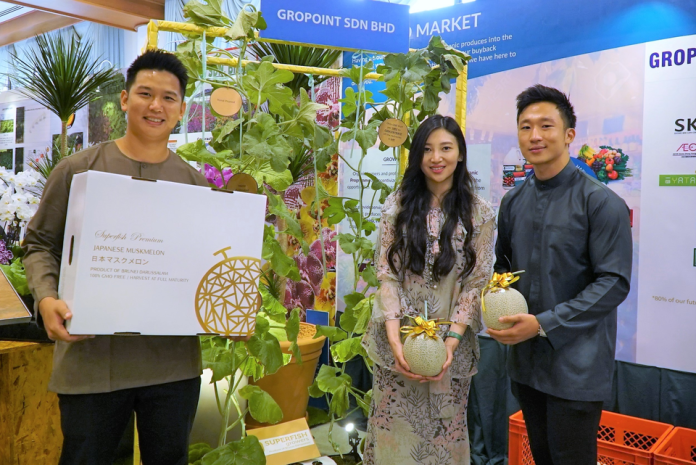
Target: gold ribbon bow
500,281
422,326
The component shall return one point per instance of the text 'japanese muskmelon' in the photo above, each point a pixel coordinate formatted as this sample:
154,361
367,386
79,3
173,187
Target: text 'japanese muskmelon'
498,300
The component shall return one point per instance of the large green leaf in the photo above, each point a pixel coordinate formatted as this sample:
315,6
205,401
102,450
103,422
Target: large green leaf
275,310
335,212
292,328
340,401
276,206
198,152
365,402
264,174
209,14
298,55
394,63
272,251
197,451
331,332
346,350
355,319
303,120
353,100
246,451
370,276
264,83
261,405
365,137
379,186
322,139
227,129
357,73
264,142
314,390
244,25
216,356
317,416
328,381
266,349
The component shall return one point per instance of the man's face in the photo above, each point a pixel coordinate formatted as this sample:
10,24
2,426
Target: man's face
154,104
542,135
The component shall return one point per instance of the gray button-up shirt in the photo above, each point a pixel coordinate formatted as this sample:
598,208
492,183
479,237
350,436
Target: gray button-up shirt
105,363
572,236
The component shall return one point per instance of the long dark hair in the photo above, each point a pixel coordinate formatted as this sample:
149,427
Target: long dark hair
408,250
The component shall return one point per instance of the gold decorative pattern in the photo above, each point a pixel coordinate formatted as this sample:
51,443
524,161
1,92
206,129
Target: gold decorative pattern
227,298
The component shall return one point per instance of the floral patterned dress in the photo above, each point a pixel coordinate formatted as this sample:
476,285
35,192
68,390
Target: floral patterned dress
425,423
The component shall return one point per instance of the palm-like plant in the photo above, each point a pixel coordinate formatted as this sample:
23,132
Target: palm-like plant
298,55
59,74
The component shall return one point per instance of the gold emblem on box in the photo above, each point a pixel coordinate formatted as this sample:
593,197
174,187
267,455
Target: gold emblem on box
227,298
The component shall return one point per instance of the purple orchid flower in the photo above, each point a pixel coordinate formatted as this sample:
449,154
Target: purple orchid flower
213,176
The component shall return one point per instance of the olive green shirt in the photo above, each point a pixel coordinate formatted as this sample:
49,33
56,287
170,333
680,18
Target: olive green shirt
105,363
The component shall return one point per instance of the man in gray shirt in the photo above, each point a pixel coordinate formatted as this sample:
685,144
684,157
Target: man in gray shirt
101,380
572,236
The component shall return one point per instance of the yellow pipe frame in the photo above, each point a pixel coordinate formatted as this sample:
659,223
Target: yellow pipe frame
154,27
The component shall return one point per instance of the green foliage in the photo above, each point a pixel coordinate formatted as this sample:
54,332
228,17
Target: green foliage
6,126
196,453
243,452
17,276
273,138
59,74
261,405
298,55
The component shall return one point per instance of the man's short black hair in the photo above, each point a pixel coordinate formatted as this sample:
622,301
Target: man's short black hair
539,93
161,61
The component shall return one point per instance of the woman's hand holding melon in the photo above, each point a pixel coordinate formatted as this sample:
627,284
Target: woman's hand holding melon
394,336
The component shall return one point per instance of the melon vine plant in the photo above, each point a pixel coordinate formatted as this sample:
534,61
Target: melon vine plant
271,129
413,84
260,140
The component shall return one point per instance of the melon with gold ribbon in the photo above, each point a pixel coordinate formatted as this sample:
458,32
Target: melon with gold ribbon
498,299
424,350
228,296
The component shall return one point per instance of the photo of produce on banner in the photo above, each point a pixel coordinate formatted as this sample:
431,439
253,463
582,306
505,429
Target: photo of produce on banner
608,163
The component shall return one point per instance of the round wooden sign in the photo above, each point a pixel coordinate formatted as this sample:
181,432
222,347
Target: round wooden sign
225,101
393,132
242,182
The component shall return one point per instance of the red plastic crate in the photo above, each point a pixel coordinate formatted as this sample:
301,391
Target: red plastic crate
678,448
622,440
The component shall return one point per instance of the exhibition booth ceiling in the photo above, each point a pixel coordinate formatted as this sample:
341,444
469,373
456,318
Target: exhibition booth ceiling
20,20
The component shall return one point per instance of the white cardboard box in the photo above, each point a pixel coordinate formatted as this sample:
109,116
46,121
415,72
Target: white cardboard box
160,258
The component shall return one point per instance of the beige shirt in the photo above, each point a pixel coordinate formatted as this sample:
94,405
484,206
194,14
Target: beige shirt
105,363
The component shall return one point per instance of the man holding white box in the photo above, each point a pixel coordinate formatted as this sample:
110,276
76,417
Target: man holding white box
101,380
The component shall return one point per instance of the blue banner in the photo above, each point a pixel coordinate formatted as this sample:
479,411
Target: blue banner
502,35
345,24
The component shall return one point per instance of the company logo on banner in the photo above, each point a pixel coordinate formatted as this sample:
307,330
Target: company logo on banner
677,57
345,24
678,180
686,151
685,126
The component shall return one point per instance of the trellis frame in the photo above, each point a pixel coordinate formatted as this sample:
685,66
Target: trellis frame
156,26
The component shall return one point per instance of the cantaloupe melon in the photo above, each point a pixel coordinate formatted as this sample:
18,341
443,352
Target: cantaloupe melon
425,355
502,302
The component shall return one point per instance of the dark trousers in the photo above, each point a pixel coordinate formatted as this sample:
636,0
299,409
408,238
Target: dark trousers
561,431
93,424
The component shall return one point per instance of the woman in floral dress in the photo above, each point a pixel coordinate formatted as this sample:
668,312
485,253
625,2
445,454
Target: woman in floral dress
435,247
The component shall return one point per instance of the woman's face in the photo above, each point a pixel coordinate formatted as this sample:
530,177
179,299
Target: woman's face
440,158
